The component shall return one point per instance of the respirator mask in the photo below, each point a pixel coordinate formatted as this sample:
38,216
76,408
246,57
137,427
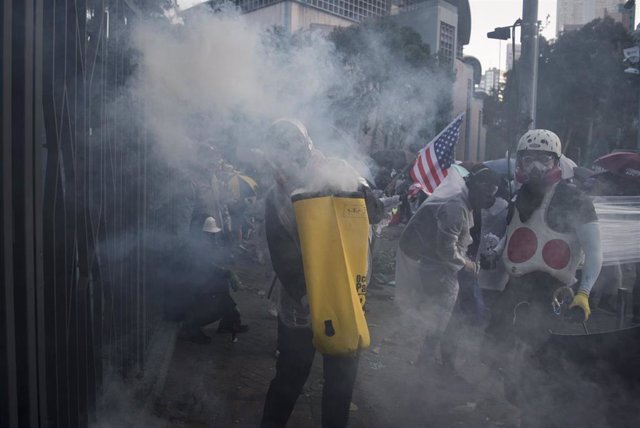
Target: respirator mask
538,167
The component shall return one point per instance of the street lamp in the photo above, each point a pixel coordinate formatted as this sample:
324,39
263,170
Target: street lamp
506,33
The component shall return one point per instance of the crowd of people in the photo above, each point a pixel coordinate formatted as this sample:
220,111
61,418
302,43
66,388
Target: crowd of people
478,250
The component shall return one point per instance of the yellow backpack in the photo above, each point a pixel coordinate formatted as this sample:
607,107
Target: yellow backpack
334,231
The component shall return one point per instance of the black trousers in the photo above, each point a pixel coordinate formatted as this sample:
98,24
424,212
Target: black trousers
292,370
536,378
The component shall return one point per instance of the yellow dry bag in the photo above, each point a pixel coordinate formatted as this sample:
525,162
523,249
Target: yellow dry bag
334,238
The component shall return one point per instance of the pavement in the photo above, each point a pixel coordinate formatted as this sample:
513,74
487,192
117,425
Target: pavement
223,384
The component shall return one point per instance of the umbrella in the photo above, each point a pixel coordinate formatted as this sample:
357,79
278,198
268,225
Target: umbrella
621,163
499,166
242,186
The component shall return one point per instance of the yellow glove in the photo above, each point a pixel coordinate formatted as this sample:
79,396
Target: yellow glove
581,300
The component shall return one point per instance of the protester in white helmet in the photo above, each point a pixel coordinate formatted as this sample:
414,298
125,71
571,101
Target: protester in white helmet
296,164
433,248
551,227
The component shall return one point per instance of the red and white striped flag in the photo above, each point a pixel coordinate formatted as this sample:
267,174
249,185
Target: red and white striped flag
432,164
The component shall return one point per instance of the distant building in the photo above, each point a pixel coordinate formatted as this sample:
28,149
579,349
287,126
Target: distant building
437,23
510,55
490,82
445,25
305,14
472,143
573,14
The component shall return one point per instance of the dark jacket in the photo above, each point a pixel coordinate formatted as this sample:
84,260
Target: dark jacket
282,238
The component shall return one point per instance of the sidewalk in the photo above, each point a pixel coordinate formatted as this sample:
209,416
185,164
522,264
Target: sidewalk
224,384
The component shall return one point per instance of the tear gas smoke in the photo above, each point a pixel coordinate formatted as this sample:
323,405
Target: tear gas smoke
619,220
220,81
215,80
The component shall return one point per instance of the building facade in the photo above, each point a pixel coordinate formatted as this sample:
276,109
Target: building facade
490,82
437,22
573,14
305,14
518,48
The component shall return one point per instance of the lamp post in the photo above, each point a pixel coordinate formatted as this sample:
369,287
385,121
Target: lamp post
506,33
529,62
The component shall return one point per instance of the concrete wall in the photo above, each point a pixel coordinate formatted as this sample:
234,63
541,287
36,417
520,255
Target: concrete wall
304,17
294,16
425,19
267,17
472,143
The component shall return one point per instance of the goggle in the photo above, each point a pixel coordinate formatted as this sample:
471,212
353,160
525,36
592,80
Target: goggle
543,158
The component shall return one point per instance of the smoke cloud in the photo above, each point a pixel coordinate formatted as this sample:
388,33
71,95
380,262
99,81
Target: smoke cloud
214,78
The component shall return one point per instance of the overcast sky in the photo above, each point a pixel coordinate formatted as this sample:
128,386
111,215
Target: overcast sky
488,14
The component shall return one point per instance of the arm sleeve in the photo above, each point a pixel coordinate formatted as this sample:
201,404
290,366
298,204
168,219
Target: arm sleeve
451,221
589,236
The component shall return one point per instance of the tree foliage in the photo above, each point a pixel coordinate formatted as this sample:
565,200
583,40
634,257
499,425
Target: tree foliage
400,93
583,93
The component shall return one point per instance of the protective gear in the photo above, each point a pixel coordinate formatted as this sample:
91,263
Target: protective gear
589,236
581,300
532,163
540,140
334,240
533,246
289,142
210,225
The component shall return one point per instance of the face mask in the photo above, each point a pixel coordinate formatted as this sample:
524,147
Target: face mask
536,171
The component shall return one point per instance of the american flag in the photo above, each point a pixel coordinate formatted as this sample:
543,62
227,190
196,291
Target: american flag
432,164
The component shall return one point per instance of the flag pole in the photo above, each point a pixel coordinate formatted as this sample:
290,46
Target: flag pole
408,167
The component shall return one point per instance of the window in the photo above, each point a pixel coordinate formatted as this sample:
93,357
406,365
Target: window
447,42
355,10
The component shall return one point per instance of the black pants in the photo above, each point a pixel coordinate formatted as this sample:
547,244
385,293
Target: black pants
535,376
292,370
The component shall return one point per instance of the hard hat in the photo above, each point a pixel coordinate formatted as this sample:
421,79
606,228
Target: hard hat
540,140
210,225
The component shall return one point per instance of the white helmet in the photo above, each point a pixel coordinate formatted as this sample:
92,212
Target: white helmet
210,225
540,140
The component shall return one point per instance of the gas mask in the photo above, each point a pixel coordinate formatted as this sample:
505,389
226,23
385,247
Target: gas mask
538,167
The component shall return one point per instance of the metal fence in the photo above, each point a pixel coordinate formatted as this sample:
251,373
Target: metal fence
74,302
